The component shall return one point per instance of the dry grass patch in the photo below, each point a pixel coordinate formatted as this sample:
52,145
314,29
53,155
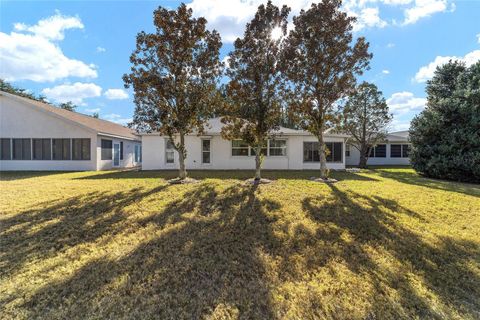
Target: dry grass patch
378,244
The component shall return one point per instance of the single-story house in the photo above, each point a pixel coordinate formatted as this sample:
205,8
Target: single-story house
393,151
288,149
38,136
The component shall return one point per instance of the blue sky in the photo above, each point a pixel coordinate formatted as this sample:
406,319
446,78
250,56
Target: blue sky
79,50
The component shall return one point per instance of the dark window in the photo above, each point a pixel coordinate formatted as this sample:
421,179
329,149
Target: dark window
5,149
121,150
395,150
310,152
379,151
239,148
61,149
81,149
206,151
405,150
106,149
21,149
278,148
42,149
347,150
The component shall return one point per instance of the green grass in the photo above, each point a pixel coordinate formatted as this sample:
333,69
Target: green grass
380,244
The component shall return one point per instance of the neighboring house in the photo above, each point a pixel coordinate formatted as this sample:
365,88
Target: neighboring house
289,150
38,136
393,151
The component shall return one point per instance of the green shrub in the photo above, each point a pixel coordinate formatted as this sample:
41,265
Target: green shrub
446,135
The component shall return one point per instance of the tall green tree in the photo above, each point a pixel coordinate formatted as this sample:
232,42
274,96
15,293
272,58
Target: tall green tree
175,72
320,62
366,118
445,136
254,105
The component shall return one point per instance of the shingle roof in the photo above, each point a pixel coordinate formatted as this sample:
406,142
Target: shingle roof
98,125
398,136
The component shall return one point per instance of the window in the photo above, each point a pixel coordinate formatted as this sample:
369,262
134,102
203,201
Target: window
106,149
347,150
138,153
81,149
21,149
121,150
42,149
277,148
399,150
239,148
61,149
405,150
205,151
169,152
379,151
311,151
5,149
263,150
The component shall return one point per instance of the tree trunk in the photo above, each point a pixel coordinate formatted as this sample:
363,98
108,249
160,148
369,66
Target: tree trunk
258,163
182,173
363,157
323,158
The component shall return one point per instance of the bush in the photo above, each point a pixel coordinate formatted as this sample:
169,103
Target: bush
446,135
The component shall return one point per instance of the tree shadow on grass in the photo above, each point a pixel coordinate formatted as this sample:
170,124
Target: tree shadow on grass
56,227
206,261
372,221
413,178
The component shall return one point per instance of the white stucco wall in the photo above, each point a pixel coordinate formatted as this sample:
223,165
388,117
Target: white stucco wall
21,121
354,158
221,155
128,153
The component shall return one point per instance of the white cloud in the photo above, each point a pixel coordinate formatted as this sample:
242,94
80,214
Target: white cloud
92,110
73,92
424,8
390,45
368,18
226,61
52,27
113,117
33,53
478,37
404,102
116,94
426,72
101,49
400,125
386,71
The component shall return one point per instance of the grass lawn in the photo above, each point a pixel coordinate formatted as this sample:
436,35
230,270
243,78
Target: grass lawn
380,244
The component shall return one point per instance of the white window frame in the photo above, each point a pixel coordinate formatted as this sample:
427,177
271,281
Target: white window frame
347,150
281,148
209,151
169,150
232,147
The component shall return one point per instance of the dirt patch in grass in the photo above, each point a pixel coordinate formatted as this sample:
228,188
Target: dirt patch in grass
130,245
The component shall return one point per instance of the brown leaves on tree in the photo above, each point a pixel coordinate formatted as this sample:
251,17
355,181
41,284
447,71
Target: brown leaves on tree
174,74
254,105
320,63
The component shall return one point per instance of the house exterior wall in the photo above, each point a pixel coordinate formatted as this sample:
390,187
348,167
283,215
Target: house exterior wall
354,158
221,155
128,153
18,120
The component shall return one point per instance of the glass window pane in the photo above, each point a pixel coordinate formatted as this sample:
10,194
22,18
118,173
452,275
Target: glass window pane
17,149
5,149
381,151
337,152
107,153
205,145
76,149
46,149
395,151
240,152
37,149
205,157
170,145
85,149
66,149
239,144
169,155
